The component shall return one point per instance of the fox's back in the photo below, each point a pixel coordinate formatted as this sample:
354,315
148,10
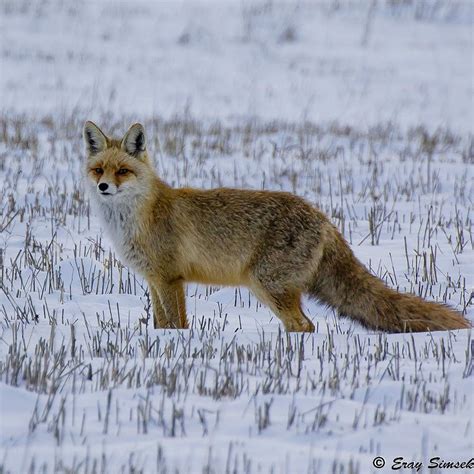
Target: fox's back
221,232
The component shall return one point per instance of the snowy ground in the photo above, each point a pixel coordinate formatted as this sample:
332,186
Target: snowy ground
337,104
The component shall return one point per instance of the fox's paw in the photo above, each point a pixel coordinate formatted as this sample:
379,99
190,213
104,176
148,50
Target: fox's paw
302,325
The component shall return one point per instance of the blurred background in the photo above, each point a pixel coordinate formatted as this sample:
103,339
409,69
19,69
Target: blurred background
356,62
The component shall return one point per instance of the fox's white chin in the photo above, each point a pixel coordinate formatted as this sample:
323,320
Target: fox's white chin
107,194
118,195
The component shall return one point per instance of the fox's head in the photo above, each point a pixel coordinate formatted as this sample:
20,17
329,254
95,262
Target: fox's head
117,167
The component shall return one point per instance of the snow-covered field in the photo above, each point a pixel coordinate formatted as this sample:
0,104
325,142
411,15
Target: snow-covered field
365,111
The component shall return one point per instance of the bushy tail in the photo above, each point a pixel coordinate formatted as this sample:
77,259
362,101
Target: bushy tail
344,283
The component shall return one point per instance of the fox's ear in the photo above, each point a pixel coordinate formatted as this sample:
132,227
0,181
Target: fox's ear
133,142
94,138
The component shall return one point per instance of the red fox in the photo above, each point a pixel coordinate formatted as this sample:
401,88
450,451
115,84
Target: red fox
275,243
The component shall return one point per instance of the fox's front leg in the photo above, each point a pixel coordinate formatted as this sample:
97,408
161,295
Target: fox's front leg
159,316
171,311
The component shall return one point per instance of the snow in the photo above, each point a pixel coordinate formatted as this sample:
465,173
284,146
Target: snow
224,59
330,102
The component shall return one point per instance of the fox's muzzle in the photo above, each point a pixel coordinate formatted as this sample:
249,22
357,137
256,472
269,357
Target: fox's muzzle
106,189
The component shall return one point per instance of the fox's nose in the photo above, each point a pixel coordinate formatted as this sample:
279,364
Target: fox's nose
103,186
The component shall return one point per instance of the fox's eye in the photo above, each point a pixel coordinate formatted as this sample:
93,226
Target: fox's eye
122,171
98,170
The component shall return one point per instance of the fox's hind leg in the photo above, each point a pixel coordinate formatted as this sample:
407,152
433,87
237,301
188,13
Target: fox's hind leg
287,307
276,278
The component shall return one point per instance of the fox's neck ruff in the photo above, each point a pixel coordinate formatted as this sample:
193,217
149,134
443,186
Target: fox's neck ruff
121,218
118,214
